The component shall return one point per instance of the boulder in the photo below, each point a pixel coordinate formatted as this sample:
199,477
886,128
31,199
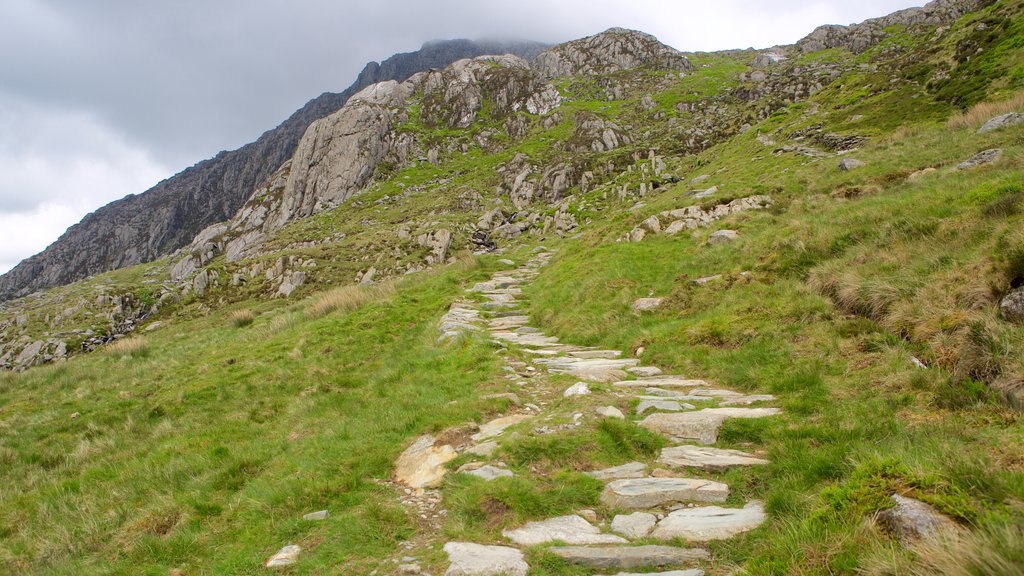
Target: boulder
847,164
982,158
912,520
611,412
1000,122
1012,306
723,237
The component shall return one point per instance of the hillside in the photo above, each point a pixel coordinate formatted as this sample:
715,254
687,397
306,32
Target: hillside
616,309
141,228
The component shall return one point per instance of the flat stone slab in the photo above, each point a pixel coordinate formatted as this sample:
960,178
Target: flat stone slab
629,557
497,426
631,470
747,400
662,382
284,557
661,406
690,572
706,458
596,354
491,473
701,426
653,492
709,522
635,525
422,463
594,369
644,371
509,322
468,559
572,530
534,340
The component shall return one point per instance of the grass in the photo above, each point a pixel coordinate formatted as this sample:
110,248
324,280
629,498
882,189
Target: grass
199,447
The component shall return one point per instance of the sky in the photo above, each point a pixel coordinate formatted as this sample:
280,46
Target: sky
105,98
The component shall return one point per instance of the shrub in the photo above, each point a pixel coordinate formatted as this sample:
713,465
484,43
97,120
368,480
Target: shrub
132,346
241,318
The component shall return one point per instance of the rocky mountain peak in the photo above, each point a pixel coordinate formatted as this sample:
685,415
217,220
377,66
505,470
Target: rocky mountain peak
613,50
860,37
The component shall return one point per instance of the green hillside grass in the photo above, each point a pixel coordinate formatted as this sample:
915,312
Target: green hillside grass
198,446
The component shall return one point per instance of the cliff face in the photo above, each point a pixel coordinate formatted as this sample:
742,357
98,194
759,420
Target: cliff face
143,227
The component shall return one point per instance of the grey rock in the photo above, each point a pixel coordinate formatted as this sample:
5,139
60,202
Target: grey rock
912,520
285,557
629,557
709,522
1000,122
572,530
689,572
701,426
485,449
313,516
723,237
1012,306
647,304
468,559
610,51
635,525
847,164
491,473
659,405
664,381
155,223
577,389
644,371
983,158
652,492
611,412
631,470
595,134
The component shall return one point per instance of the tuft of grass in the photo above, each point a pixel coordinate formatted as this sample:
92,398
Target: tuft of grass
997,550
348,298
242,318
131,347
982,112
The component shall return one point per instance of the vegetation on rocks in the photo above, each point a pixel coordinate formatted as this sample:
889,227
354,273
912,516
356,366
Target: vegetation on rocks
873,305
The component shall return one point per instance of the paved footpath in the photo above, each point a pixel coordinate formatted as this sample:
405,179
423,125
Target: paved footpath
654,502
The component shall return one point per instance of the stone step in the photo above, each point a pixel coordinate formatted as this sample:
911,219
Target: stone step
631,470
595,370
645,371
573,530
653,492
469,559
508,322
597,354
629,557
662,382
688,572
661,405
705,458
534,340
709,523
701,426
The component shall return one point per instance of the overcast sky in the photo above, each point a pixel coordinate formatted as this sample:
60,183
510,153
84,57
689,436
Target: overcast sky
105,98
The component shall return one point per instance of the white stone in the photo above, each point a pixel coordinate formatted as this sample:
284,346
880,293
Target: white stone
422,463
572,530
312,516
577,389
468,559
491,473
635,525
631,470
285,557
706,458
611,412
647,304
651,492
709,522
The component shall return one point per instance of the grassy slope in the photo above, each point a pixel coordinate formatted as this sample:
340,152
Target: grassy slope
202,451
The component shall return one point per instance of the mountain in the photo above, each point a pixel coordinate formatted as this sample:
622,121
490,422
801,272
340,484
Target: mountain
140,228
619,308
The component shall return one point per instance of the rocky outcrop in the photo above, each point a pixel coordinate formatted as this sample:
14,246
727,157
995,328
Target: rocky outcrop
141,228
610,51
858,38
695,217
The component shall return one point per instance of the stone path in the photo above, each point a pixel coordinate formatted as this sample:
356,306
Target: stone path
650,504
